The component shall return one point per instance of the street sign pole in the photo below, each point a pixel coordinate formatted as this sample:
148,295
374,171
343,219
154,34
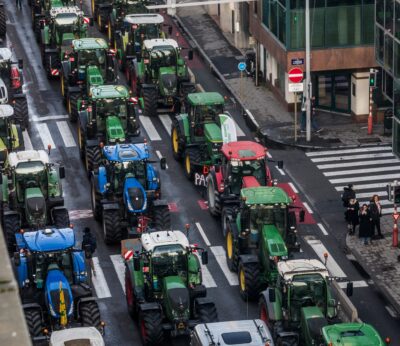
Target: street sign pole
308,72
295,116
241,68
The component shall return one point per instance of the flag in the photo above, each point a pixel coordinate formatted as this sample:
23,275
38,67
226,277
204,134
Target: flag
63,308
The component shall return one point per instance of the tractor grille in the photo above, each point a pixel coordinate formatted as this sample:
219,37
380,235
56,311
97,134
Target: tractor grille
136,197
169,81
36,206
55,300
179,298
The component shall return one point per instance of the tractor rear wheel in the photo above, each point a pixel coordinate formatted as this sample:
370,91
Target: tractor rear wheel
61,218
21,112
162,218
11,226
92,158
177,141
192,158
249,281
90,314
34,321
3,25
95,197
150,324
213,198
63,86
112,229
73,107
207,313
231,251
150,101
226,215
130,296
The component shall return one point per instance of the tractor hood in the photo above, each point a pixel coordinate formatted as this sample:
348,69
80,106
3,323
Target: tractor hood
168,81
177,297
35,207
134,195
273,239
212,133
50,239
115,130
58,292
314,321
352,334
94,76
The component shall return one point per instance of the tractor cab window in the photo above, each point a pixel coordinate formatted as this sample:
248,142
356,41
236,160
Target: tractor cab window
5,70
44,262
108,107
169,260
269,215
163,57
145,32
207,114
92,57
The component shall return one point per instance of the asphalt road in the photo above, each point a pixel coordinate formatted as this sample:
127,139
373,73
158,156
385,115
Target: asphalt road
50,125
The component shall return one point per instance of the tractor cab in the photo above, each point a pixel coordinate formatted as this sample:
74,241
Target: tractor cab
10,73
10,134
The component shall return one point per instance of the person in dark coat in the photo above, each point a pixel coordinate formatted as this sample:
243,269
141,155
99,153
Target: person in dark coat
352,215
89,242
365,229
375,209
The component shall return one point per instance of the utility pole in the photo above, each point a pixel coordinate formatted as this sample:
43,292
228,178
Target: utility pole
308,73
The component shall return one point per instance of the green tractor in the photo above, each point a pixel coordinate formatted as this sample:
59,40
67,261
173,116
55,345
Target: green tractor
64,25
160,75
89,64
108,116
258,236
31,194
101,10
163,285
10,134
198,134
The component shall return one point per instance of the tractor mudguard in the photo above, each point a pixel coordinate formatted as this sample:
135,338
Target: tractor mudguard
22,269
149,86
160,203
79,265
83,119
105,6
248,259
65,66
217,179
274,309
10,212
100,179
32,306
83,300
287,335
19,239
110,205
54,202
80,292
197,292
149,306
92,143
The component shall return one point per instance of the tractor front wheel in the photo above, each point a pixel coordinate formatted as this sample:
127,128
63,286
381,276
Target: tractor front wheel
207,313
34,321
110,34
3,25
95,197
112,229
90,314
177,141
226,215
192,158
73,107
21,112
150,101
61,218
130,296
249,281
161,218
213,198
11,225
150,323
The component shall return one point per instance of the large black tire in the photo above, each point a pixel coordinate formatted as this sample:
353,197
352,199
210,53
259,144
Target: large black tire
232,251
95,199
110,34
112,229
3,25
207,313
21,112
226,214
34,321
192,158
213,198
90,314
249,281
92,158
130,296
161,218
150,324
150,101
177,141
11,225
73,106
61,218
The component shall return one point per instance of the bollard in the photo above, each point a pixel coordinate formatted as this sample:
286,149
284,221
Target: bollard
395,235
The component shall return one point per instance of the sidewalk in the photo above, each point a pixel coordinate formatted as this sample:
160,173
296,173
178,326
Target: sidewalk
271,121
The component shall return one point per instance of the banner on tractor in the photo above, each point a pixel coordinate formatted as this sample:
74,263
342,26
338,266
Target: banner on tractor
228,129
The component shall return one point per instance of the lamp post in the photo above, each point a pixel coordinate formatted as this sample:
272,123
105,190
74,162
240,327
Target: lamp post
308,73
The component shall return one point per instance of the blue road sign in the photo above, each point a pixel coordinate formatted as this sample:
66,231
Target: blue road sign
242,66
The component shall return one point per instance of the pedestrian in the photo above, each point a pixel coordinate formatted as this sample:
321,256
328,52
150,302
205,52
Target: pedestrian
348,194
18,4
376,213
89,244
352,217
365,229
303,120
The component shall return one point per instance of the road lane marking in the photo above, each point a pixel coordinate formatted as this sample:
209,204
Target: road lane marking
293,188
322,228
99,281
166,121
66,134
45,136
386,177
27,140
119,267
239,131
80,214
358,163
203,234
350,151
391,312
356,284
361,171
149,127
363,186
269,155
331,264
159,155
280,170
38,118
307,207
382,201
207,279
351,157
219,253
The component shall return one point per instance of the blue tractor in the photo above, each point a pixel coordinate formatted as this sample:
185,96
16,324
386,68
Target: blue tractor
126,192
54,284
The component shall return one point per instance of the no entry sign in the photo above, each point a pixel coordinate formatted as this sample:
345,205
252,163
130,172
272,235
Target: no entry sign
296,75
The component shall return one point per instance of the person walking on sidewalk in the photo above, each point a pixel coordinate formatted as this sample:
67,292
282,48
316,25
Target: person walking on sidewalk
352,217
303,120
376,213
18,4
365,229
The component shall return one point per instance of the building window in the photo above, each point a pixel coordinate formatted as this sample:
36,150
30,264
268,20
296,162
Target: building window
380,12
397,20
396,59
388,53
281,78
389,8
282,24
387,85
317,19
265,13
396,101
367,30
379,45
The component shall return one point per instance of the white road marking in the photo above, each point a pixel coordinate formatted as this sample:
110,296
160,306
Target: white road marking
322,228
45,135
27,140
149,127
239,131
362,171
331,264
99,281
391,311
350,257
268,154
350,151
293,188
208,280
280,170
159,155
199,87
369,194
356,284
203,234
119,267
37,118
382,201
358,163
219,253
307,207
363,186
386,177
66,134
166,121
351,157
80,214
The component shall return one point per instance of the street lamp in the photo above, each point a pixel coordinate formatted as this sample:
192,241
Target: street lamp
308,73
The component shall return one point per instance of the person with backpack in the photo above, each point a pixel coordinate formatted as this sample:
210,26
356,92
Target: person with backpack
89,243
348,194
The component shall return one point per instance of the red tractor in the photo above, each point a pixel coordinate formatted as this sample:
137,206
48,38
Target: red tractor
244,164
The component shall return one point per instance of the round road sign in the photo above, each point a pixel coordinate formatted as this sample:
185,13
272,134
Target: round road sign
296,75
242,66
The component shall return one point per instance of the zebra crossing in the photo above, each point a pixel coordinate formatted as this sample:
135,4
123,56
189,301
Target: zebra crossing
369,169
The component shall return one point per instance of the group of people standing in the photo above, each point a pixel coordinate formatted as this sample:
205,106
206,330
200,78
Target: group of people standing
367,217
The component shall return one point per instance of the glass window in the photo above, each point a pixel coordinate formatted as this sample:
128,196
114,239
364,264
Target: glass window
388,62
396,105
379,45
317,19
389,14
397,20
281,78
282,24
388,82
396,59
297,4
265,13
297,27
380,12
273,18
368,23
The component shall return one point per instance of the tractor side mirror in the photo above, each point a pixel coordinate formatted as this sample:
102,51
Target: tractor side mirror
61,172
170,30
88,251
272,295
17,258
302,215
204,257
163,163
190,55
349,289
280,164
20,64
136,264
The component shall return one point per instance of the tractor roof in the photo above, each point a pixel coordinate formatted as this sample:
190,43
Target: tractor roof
159,42
265,195
89,43
66,336
206,99
15,158
66,12
289,269
351,334
50,239
5,54
154,239
6,111
109,92
144,18
243,151
126,152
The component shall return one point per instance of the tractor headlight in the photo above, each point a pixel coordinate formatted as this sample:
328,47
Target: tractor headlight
52,312
71,309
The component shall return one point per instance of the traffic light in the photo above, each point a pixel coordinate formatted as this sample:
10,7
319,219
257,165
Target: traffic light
372,77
